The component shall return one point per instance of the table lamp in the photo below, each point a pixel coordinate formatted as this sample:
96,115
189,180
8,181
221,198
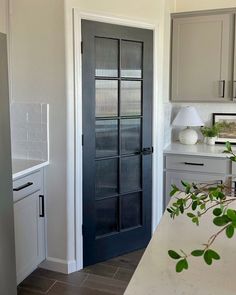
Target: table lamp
188,117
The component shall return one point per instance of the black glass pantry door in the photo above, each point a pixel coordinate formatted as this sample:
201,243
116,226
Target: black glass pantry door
117,91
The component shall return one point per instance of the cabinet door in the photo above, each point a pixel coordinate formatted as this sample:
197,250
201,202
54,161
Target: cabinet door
202,56
28,232
176,177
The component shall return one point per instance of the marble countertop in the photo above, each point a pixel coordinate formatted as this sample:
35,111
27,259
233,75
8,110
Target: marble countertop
21,167
199,149
156,272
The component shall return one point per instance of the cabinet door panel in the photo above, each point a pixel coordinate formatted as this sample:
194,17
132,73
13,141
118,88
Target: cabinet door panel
176,177
26,215
202,52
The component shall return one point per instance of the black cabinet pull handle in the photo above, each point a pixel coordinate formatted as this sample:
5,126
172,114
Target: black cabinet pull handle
42,207
19,188
222,88
193,164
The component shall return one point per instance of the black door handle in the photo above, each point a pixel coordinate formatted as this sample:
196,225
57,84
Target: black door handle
147,151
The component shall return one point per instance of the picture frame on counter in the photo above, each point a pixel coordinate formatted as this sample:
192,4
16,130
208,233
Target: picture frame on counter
227,132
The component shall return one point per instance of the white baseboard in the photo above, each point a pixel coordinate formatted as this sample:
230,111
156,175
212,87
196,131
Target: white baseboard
59,265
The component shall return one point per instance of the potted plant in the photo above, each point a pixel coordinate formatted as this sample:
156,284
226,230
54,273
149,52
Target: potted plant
211,133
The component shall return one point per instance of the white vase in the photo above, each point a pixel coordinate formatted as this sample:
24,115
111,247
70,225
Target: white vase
211,140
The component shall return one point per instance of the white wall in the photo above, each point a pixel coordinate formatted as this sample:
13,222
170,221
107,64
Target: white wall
205,109
192,5
3,16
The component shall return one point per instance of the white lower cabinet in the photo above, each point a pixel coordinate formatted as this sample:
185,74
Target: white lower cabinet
198,164
174,177
29,224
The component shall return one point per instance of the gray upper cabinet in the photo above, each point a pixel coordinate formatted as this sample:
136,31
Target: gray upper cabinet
202,58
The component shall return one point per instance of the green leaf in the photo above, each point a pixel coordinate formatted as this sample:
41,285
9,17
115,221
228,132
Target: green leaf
218,195
213,254
230,231
193,197
203,207
169,210
197,253
194,205
231,214
195,220
173,254
187,190
191,215
207,258
181,265
217,211
181,208
212,189
228,146
174,190
234,224
233,158
185,264
184,183
221,221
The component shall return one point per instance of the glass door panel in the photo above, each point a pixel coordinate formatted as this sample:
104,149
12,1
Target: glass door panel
130,136
131,98
106,138
131,59
106,53
106,98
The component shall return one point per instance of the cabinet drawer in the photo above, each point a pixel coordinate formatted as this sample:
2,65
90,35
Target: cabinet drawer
26,185
198,164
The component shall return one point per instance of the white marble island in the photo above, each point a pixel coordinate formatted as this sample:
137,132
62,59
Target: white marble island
156,274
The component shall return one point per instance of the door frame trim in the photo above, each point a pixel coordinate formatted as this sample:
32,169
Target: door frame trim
76,106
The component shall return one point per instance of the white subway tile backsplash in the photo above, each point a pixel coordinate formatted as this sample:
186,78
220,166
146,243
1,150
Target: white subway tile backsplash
34,113
44,113
35,132
29,130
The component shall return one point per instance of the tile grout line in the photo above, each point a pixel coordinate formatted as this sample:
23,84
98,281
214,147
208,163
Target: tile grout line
116,272
85,279
51,287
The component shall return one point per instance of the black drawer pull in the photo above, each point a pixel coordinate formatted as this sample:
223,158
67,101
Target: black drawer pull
193,164
222,88
17,189
42,207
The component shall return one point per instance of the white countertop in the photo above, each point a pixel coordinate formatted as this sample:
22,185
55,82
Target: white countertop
156,272
199,149
21,167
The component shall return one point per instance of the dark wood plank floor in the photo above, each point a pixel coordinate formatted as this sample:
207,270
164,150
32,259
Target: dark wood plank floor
107,278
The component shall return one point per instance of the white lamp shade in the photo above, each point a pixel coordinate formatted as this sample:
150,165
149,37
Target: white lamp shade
188,116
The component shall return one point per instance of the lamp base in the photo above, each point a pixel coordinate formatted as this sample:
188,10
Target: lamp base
188,136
